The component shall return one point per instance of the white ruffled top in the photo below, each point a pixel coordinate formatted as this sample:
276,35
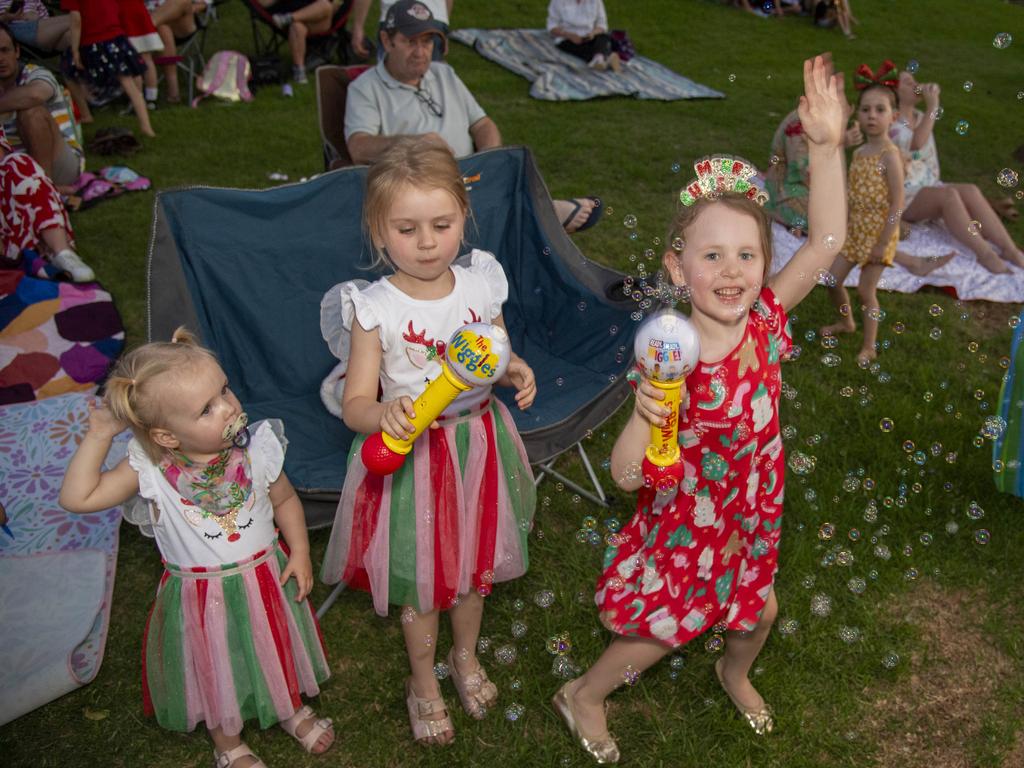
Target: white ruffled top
184,535
410,328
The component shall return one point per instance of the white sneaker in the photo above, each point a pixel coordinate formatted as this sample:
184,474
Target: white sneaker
72,263
598,62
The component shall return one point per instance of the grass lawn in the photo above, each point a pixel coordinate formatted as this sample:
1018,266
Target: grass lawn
920,658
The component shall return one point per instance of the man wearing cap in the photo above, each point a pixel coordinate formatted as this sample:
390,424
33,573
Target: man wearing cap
409,94
361,8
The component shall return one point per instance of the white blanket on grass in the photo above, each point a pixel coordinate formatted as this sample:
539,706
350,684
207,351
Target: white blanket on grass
962,273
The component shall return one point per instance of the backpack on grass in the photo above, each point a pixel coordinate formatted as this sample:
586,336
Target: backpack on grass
225,76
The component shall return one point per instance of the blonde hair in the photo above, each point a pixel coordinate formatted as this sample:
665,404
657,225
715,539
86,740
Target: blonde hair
687,214
130,394
410,160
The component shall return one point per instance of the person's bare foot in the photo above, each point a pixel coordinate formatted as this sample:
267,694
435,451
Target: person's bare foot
846,325
992,263
925,265
574,213
1014,256
151,133
865,356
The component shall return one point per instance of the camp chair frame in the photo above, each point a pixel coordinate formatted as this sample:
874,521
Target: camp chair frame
332,81
267,39
191,49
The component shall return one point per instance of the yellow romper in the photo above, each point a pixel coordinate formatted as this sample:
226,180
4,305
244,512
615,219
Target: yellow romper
869,207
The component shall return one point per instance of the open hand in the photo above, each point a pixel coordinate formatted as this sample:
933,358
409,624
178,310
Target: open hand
821,106
395,420
102,422
301,567
520,375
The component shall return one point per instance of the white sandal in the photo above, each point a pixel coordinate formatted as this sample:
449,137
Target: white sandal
318,729
228,758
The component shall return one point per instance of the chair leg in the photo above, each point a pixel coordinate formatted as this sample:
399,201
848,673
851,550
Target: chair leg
596,494
335,594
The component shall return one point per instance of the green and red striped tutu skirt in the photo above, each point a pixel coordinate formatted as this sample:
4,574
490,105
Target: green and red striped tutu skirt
454,517
228,644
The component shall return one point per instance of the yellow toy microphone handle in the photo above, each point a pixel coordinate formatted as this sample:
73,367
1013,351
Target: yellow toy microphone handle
438,395
663,450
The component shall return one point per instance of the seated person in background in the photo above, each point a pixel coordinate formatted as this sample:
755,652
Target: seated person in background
961,207
31,24
33,215
580,28
360,8
408,94
35,115
301,18
174,20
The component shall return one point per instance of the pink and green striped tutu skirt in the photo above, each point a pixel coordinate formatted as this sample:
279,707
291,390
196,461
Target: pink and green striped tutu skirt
229,644
454,517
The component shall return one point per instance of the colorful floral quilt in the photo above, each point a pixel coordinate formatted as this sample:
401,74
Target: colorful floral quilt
56,569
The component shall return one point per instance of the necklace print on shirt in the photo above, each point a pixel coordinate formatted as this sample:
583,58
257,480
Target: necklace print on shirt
215,491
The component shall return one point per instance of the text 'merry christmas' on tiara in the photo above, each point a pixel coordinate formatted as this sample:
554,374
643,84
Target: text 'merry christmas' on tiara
720,174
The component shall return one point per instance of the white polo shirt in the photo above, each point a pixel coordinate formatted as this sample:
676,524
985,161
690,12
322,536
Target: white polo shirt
378,105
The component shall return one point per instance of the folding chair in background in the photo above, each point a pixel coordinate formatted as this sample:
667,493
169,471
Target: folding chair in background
331,89
267,38
190,58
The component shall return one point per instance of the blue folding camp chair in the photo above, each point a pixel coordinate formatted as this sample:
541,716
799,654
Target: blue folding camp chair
247,271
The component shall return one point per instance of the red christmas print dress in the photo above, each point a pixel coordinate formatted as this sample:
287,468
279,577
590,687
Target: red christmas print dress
707,554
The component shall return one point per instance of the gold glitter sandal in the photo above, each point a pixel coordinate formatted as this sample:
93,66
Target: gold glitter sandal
603,748
420,711
476,692
761,719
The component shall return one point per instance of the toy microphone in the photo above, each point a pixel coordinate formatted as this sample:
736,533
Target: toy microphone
477,355
667,349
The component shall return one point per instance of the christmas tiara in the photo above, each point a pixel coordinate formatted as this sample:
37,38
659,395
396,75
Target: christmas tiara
721,174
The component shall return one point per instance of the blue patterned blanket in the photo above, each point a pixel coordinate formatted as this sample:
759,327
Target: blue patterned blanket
557,76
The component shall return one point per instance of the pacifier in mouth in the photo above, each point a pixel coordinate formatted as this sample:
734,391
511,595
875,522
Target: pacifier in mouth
237,431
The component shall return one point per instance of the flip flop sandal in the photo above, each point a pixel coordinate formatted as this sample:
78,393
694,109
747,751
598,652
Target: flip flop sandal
318,729
595,214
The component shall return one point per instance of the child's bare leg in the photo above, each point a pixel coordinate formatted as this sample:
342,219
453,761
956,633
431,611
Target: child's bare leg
149,77
870,274
466,618
922,265
223,743
55,238
138,103
991,226
945,203
81,98
621,661
741,650
840,299
420,631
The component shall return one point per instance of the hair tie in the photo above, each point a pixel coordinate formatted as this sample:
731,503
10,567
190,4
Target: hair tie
719,174
886,75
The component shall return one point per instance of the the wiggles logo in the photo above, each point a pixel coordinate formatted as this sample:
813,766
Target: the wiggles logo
473,354
664,351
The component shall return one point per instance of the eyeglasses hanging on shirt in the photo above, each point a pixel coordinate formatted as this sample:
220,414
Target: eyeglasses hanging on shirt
426,98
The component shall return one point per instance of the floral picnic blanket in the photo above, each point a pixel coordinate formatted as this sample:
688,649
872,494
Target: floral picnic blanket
56,568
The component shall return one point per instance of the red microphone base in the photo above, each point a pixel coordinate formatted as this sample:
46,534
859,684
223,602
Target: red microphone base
662,479
378,458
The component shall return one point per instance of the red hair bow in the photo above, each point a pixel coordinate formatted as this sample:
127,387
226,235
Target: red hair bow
887,75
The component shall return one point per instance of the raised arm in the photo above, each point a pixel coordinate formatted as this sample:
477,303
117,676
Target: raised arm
821,115
925,126
86,487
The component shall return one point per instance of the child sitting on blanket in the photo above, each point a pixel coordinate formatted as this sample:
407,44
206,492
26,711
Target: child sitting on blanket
231,636
876,201
580,28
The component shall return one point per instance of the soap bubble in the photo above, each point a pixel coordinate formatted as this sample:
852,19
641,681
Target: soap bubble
675,167
961,128
629,221
974,227
514,711
982,536
545,598
849,635
886,425
968,86
1007,178
1002,40
505,654
441,670
821,604
732,78
912,66
830,241
891,660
